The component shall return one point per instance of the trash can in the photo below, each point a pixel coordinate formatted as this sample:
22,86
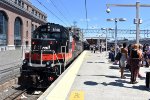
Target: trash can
147,79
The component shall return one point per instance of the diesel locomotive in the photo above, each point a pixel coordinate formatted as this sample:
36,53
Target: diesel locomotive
53,47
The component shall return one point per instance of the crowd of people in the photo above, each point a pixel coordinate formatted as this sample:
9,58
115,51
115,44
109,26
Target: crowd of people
100,48
132,57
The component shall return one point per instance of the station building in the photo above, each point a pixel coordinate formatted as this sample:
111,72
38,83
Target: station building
18,18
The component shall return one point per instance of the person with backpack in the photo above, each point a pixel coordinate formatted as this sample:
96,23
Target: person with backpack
123,59
135,58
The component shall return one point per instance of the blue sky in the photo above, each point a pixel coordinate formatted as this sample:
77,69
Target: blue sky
74,10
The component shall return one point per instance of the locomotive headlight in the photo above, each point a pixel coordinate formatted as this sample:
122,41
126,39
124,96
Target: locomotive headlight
48,63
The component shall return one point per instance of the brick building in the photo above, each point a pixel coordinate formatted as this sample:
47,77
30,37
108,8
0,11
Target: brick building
18,18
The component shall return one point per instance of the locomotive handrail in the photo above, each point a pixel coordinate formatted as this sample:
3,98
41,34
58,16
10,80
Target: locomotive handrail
65,55
30,58
62,52
41,57
65,58
53,57
58,60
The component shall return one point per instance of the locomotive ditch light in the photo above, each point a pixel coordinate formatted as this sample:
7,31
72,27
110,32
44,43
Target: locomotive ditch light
48,63
25,61
52,65
51,78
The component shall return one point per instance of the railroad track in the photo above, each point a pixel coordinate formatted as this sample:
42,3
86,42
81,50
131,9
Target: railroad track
16,95
27,94
9,73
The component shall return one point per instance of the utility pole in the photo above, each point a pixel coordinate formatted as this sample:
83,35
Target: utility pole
137,20
116,20
106,29
74,26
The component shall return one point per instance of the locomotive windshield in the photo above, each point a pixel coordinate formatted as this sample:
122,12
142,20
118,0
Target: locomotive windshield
46,35
49,37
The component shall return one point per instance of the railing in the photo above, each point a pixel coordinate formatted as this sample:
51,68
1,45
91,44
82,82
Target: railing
65,55
41,59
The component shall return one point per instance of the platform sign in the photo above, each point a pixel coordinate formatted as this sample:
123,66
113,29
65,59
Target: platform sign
77,95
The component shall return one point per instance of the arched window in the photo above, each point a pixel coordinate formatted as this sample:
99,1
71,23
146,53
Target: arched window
17,31
3,28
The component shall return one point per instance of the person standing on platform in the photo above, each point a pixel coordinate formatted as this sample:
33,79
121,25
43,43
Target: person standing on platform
123,59
135,58
118,51
91,48
129,49
94,48
100,48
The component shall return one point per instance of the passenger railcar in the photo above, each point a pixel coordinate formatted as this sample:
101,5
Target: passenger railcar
52,48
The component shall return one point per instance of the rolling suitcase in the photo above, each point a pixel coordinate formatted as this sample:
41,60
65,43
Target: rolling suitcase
148,79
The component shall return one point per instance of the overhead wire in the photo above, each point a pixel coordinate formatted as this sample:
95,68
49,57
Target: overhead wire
66,10
51,12
58,10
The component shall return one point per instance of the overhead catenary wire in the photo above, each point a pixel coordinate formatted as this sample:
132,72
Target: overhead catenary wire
86,14
51,12
66,10
58,10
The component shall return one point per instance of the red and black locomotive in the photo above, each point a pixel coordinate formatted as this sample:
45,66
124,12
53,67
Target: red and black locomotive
52,48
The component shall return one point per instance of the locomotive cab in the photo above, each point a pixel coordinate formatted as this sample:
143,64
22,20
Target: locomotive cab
51,50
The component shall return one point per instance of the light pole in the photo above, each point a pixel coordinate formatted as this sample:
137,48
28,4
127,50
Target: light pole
137,21
116,20
106,29
99,43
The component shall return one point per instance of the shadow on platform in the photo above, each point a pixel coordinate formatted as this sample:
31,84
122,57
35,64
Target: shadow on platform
94,62
90,83
109,76
114,67
119,83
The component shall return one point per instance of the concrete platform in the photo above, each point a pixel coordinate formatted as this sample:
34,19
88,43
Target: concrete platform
93,77
10,58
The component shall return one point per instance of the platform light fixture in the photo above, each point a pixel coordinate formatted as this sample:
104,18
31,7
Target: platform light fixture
116,20
106,29
137,20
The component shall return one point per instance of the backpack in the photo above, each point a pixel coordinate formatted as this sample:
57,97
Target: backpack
118,56
134,54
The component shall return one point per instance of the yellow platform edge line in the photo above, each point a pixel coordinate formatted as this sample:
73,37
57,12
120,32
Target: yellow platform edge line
62,89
